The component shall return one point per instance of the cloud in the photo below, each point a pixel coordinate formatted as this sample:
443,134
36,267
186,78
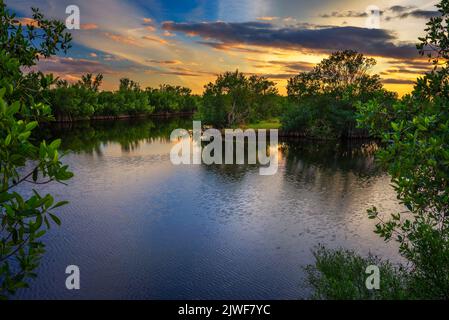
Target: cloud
150,28
230,47
279,76
421,64
180,71
27,21
375,42
424,14
413,67
397,81
155,39
75,67
345,14
267,18
110,57
403,12
400,9
128,40
401,71
165,62
394,12
89,26
168,34
294,65
70,78
149,25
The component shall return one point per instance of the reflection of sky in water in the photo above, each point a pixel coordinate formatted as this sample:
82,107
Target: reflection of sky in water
140,227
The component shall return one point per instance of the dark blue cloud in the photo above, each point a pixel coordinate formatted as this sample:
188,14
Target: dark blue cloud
376,42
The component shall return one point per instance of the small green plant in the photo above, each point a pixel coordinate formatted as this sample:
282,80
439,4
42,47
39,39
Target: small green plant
341,275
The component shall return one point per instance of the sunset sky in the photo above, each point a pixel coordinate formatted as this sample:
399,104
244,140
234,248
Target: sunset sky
188,42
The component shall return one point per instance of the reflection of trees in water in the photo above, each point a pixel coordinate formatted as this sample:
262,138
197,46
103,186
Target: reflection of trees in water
307,159
331,170
346,156
304,159
232,171
88,136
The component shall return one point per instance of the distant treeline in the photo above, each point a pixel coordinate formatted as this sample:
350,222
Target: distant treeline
83,100
321,103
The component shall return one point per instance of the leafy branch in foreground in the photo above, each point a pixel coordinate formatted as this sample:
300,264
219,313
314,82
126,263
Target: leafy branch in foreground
24,221
23,160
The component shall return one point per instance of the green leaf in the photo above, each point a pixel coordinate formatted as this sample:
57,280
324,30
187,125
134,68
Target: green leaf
8,140
55,144
24,135
59,204
42,150
55,219
35,174
13,109
30,126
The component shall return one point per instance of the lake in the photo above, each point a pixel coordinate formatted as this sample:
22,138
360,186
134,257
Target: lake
139,227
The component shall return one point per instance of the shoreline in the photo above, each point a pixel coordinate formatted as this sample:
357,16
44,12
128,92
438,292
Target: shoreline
122,117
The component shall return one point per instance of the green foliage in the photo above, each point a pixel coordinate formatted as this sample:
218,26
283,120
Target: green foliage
23,45
342,71
169,98
83,100
323,101
415,135
234,99
27,43
340,275
23,221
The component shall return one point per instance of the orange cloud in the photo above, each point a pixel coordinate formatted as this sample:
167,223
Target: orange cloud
267,18
89,26
155,39
123,39
168,34
165,62
69,78
27,21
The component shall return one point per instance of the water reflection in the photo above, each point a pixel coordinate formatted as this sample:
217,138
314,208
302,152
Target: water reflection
88,137
140,227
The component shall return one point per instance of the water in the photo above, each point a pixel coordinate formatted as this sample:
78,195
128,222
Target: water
141,228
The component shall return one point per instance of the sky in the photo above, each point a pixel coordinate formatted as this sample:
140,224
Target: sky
189,42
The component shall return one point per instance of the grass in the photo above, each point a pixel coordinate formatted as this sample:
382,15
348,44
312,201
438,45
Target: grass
273,123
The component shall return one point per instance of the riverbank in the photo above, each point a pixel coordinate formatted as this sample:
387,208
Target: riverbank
65,119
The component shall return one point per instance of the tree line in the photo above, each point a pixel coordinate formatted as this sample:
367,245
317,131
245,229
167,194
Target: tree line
84,100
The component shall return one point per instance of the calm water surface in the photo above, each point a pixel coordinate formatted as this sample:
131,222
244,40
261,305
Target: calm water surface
141,228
